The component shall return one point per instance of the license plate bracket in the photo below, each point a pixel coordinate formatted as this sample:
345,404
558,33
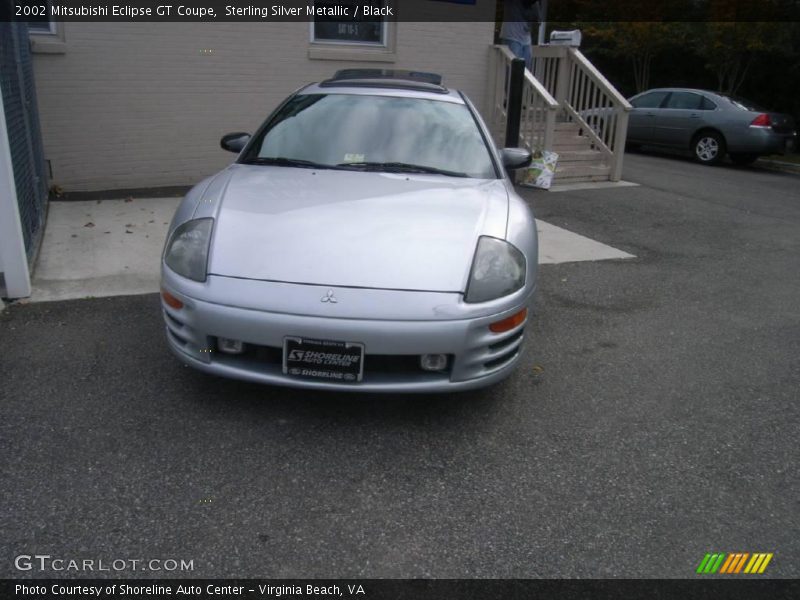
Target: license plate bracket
323,360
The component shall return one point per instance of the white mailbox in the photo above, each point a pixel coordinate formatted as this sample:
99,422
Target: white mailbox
566,38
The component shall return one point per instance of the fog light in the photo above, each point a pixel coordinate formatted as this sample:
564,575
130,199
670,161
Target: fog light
433,362
229,346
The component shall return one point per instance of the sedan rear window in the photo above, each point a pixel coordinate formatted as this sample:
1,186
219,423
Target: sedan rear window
380,133
707,104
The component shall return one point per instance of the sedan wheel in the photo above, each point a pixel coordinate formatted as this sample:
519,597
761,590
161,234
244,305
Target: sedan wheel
709,148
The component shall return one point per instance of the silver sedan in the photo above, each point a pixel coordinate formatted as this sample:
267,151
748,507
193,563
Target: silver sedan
708,124
367,238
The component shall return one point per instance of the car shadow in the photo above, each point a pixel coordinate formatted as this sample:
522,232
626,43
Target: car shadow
261,402
686,157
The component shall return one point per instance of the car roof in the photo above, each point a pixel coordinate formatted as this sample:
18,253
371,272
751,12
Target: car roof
450,95
680,89
386,82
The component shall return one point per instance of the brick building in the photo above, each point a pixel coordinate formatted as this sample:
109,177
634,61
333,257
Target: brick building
140,105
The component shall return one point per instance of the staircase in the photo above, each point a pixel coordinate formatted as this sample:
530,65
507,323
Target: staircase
578,159
568,107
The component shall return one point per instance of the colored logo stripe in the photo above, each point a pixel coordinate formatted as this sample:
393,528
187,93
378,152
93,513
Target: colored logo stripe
710,563
758,563
734,562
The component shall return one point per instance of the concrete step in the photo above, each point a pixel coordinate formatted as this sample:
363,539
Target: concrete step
571,143
581,179
580,155
573,172
572,128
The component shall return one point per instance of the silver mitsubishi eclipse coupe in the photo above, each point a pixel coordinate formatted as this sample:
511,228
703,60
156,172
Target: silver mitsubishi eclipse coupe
367,238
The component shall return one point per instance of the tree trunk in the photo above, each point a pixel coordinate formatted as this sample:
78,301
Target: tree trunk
641,70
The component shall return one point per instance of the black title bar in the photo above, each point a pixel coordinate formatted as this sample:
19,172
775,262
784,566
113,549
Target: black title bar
389,589
564,11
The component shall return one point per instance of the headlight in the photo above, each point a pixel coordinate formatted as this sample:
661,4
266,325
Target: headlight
498,269
187,249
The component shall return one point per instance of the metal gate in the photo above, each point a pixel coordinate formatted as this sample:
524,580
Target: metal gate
24,135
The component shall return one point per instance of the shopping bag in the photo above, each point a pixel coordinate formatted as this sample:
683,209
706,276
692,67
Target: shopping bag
541,170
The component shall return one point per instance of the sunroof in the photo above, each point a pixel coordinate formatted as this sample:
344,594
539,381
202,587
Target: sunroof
421,76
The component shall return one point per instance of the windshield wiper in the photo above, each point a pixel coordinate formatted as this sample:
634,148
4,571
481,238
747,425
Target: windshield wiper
400,167
280,161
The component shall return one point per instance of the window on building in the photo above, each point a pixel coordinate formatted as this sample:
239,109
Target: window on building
37,14
363,31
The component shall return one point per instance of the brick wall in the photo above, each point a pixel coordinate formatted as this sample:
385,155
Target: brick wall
142,105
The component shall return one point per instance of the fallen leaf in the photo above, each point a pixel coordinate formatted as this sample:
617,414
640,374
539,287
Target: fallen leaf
129,199
128,225
89,224
127,231
74,235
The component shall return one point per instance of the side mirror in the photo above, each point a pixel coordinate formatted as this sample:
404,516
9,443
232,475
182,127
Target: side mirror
234,142
515,158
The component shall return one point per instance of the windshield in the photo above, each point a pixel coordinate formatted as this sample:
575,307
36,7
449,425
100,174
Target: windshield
377,133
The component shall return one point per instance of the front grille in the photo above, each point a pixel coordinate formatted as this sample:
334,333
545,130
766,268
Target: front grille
397,364
377,364
264,354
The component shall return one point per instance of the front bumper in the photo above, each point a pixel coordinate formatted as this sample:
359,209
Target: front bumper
392,339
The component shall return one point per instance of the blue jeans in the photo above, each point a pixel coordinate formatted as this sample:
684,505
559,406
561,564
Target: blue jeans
520,50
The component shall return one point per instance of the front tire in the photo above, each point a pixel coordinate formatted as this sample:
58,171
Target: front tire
708,147
743,159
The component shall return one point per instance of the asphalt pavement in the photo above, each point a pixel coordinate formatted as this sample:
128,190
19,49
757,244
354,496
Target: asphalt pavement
654,418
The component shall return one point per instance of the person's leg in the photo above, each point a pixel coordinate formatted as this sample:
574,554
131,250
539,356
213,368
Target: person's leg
527,54
516,48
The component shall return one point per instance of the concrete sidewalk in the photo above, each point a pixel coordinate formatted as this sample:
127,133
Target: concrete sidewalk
102,248
113,248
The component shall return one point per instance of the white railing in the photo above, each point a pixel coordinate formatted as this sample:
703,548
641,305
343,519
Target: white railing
539,108
586,98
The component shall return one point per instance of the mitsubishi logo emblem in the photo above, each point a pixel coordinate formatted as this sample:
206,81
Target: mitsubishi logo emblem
329,297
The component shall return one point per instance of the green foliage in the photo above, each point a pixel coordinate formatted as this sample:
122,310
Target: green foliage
758,60
730,49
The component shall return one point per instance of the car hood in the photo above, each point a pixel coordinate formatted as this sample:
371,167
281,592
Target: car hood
353,228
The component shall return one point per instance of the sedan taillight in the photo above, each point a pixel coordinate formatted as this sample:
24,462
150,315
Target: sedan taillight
762,120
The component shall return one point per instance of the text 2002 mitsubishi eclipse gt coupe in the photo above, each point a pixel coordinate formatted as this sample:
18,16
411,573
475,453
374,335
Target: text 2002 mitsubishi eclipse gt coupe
367,238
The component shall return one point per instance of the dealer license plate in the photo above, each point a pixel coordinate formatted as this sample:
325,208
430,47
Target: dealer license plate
323,359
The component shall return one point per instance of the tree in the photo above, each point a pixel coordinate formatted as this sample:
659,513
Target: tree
639,34
637,42
730,49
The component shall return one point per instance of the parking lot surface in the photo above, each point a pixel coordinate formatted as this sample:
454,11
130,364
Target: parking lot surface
654,418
